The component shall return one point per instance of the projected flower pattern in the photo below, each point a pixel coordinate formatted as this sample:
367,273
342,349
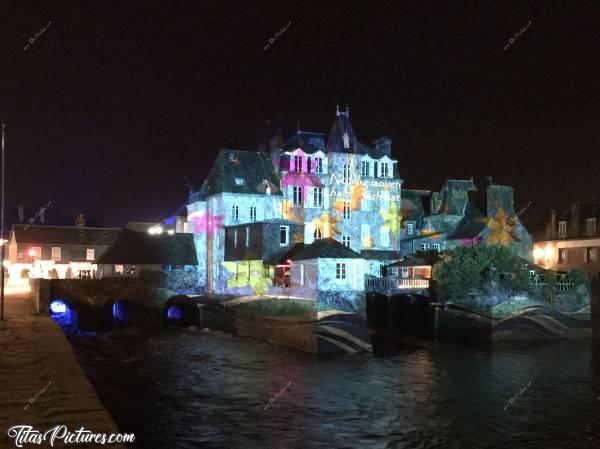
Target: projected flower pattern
206,223
356,195
328,224
249,274
501,228
303,180
392,219
287,210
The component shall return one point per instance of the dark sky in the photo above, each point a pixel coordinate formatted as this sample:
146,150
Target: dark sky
115,102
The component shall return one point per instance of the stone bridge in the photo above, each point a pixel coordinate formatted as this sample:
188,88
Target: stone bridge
102,304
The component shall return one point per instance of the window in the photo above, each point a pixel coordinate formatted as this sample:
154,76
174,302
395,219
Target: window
240,181
346,173
364,168
365,235
90,254
384,170
347,210
318,165
404,272
318,233
340,270
235,238
318,196
235,213
56,253
436,247
410,228
297,194
252,213
346,240
385,236
247,236
591,255
563,255
375,169
590,224
562,229
297,164
425,246
283,235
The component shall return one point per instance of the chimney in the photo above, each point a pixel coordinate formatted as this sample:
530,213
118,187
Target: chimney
552,234
80,221
573,225
43,216
384,145
21,214
278,140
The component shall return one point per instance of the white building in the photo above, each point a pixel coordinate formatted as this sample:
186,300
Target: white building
341,189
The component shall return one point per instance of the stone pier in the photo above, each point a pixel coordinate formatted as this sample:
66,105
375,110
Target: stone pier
41,382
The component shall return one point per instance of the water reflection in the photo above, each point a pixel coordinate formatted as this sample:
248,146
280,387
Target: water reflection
186,388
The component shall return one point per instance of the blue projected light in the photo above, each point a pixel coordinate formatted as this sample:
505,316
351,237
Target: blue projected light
120,313
64,315
58,306
174,313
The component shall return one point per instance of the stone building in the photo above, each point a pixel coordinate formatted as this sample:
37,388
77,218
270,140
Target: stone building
64,252
257,210
460,215
571,239
304,190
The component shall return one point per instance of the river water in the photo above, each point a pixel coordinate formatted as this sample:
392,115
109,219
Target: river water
184,388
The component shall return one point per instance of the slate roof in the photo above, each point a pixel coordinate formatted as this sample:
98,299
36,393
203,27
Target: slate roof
142,248
378,254
460,184
427,258
309,142
328,248
287,255
472,224
253,167
412,204
455,196
64,235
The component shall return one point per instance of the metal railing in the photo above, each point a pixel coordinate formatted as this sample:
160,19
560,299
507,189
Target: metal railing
395,283
563,283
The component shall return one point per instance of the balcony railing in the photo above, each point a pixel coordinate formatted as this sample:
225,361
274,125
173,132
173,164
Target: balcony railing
563,282
394,283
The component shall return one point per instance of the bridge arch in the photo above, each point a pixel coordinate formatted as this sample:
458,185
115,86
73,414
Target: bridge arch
63,312
180,311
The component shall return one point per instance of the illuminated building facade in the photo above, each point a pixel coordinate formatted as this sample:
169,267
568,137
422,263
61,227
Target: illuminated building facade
63,252
302,193
461,215
570,240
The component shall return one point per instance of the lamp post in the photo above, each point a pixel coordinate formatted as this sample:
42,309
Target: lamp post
2,252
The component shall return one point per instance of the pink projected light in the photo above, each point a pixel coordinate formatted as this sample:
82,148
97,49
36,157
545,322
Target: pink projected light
207,223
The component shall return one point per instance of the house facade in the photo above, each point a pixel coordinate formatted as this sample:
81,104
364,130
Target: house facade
257,210
303,190
570,240
461,215
64,252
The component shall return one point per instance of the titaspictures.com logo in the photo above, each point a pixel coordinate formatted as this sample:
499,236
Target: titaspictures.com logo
24,434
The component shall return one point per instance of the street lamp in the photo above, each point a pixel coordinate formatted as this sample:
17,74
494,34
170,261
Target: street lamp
2,252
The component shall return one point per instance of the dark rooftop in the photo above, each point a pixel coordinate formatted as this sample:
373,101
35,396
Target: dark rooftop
142,248
328,248
65,235
240,171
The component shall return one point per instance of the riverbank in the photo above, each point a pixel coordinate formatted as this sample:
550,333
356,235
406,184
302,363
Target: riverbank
42,383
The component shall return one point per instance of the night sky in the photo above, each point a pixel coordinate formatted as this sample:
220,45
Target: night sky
116,102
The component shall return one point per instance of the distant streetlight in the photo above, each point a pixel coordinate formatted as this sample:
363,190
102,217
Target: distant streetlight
2,232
